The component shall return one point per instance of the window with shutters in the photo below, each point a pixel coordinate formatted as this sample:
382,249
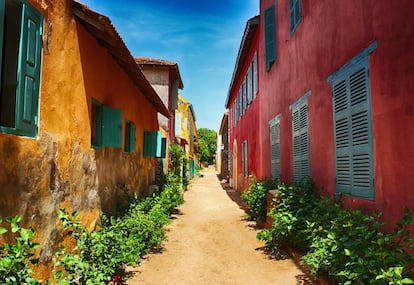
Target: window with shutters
130,137
300,131
295,16
106,126
270,36
153,144
21,47
249,84
245,159
255,75
163,148
274,126
352,127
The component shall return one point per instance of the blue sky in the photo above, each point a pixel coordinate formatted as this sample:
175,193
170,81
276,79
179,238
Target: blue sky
203,37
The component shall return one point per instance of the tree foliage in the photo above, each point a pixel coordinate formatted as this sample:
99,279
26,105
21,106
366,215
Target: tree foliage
206,145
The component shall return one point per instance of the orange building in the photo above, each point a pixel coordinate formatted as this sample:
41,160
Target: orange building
78,119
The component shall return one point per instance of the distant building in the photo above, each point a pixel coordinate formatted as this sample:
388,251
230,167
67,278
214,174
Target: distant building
186,132
223,157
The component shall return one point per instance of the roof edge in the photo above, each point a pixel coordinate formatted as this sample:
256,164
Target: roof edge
250,24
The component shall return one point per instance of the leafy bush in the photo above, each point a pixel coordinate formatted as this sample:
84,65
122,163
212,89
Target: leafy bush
178,166
346,244
101,255
16,258
255,197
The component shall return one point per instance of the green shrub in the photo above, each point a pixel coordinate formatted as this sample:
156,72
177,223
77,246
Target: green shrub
346,244
255,197
122,240
16,258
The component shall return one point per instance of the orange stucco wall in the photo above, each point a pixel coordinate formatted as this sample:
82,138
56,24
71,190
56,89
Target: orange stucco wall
59,168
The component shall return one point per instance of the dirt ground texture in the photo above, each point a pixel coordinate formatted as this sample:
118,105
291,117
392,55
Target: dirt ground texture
210,242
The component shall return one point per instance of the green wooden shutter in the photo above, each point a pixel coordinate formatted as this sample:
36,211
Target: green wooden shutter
275,150
152,143
301,164
130,137
149,143
270,36
353,132
127,136
245,159
111,127
27,96
163,147
158,144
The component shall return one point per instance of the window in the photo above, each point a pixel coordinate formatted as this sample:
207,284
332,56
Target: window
249,83
274,125
245,159
300,131
352,127
177,123
294,15
163,147
130,137
106,126
270,36
21,48
255,75
152,143
244,99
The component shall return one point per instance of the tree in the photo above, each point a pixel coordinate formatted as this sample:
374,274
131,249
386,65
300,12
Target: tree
206,145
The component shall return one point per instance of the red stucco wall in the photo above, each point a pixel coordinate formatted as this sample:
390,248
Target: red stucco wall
329,35
247,127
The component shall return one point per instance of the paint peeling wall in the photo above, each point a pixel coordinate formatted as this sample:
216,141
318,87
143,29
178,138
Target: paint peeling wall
59,168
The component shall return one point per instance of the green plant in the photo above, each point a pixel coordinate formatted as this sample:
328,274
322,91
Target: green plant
16,258
346,244
102,255
255,197
394,276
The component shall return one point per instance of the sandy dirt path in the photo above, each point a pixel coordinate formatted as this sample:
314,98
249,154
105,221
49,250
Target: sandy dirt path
210,242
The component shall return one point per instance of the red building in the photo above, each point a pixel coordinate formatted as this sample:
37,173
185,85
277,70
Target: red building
244,110
335,99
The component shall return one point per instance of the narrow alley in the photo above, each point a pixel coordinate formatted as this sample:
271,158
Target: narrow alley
210,242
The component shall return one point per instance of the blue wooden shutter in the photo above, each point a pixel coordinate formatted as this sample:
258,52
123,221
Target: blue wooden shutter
270,36
27,96
294,15
111,127
301,164
275,150
353,132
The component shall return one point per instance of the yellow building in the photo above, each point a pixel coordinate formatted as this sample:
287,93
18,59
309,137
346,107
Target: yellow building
78,118
186,132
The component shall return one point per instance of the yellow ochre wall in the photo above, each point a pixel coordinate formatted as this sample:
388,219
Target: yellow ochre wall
59,168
